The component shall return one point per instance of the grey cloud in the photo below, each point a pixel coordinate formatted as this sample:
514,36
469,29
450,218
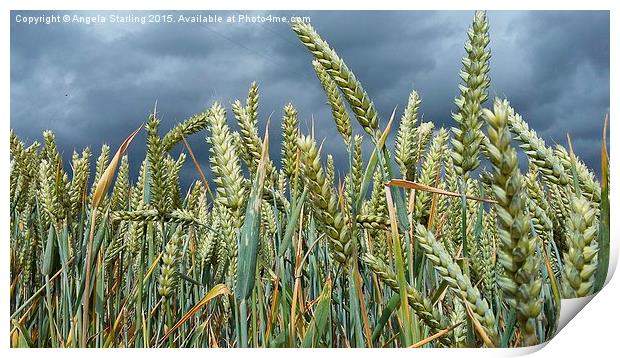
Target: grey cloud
552,66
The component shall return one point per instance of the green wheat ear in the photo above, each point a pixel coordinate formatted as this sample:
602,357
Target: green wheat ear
249,140
431,169
351,88
518,254
290,133
334,99
224,162
459,282
587,181
580,261
406,138
422,306
421,138
325,201
120,191
468,136
541,156
158,172
184,129
170,265
79,181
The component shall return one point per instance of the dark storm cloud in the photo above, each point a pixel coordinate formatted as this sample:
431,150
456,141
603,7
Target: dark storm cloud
93,84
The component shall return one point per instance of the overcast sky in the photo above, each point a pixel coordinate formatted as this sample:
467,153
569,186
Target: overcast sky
94,84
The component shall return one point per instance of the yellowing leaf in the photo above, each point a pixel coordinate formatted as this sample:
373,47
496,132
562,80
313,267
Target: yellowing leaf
417,186
217,290
106,178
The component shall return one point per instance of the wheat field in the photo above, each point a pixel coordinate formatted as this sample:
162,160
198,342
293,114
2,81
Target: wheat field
442,240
